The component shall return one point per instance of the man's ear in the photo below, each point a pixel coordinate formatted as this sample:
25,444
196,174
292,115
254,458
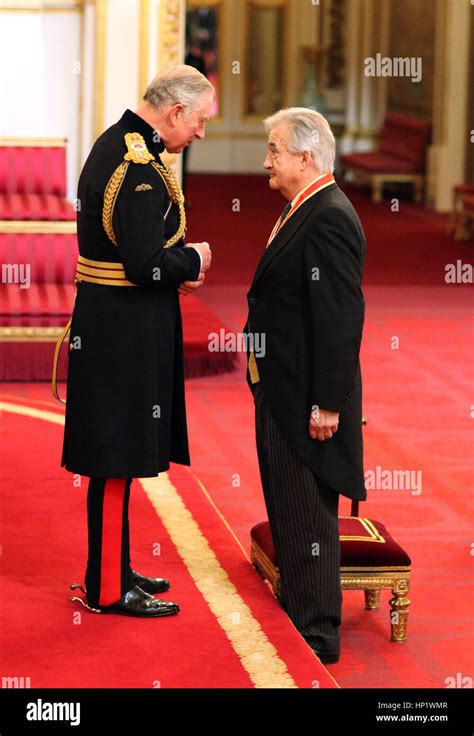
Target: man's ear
306,159
175,113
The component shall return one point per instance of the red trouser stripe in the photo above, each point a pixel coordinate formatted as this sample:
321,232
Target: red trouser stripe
111,563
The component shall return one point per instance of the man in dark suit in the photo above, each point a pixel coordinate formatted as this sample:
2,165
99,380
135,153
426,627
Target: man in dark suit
125,413
306,300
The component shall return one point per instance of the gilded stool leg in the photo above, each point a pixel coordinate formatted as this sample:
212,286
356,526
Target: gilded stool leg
399,610
418,190
277,587
377,189
452,226
372,599
254,561
462,231
259,570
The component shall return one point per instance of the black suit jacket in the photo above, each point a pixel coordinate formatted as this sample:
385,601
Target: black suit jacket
306,298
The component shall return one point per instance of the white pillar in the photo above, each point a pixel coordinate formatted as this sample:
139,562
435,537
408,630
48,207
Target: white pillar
367,35
447,156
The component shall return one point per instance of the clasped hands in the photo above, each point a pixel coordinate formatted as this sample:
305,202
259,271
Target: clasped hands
187,287
323,424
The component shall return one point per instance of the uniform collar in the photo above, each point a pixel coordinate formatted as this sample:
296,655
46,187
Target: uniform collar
135,124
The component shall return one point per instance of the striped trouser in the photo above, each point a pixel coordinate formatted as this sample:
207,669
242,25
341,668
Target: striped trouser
302,511
108,574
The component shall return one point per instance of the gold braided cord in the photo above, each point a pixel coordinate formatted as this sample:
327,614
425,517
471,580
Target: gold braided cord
172,186
176,195
111,191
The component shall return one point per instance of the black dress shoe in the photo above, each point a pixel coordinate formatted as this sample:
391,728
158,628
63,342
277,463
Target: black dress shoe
150,585
326,658
138,603
318,648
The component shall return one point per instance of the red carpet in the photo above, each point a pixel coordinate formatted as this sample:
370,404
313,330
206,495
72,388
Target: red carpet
57,644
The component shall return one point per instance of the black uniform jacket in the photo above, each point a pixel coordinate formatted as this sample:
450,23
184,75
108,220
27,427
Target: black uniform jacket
125,412
306,298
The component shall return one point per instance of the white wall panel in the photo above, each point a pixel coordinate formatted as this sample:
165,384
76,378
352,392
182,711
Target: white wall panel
122,58
40,79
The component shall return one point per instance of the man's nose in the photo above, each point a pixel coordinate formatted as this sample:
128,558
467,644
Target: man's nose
266,164
201,133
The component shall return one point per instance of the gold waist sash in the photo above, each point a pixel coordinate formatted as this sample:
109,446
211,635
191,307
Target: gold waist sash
94,272
101,272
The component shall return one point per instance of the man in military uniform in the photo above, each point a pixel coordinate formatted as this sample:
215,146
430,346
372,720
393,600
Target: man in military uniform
125,408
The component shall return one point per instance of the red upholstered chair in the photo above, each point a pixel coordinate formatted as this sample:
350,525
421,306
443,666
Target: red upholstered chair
33,180
38,254
38,264
400,156
371,560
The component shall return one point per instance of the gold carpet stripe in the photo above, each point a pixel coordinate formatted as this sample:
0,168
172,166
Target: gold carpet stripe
257,654
30,400
28,411
218,512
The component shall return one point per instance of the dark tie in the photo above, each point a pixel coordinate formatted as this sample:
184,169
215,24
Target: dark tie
285,212
286,209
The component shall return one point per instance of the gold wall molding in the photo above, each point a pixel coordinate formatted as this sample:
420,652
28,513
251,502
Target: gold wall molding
100,50
42,227
203,3
24,334
144,47
170,51
54,6
12,142
268,4
169,32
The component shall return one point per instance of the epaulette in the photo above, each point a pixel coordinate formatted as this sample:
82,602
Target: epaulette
138,153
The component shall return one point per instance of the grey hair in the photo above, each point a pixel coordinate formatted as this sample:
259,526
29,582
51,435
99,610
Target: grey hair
309,131
178,84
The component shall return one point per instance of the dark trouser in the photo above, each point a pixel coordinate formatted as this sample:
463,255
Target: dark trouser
302,511
108,574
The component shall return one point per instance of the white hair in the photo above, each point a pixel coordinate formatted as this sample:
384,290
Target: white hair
178,84
307,130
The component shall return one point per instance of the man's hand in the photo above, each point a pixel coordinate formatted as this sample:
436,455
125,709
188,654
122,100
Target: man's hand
187,287
205,251
323,424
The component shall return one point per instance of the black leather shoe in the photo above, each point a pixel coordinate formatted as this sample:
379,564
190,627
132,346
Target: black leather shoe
138,603
326,658
318,649
150,585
